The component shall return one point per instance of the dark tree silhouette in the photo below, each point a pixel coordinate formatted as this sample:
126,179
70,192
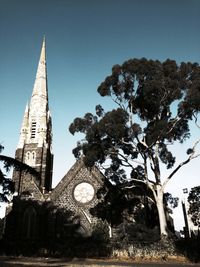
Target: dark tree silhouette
155,103
7,185
194,205
171,202
119,204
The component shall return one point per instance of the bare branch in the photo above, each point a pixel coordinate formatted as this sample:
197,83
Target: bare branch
147,181
191,156
176,120
129,187
133,186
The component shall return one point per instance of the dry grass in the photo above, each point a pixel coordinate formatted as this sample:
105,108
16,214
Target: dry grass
39,262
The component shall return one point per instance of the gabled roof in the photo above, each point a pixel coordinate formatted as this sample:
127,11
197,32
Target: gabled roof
71,174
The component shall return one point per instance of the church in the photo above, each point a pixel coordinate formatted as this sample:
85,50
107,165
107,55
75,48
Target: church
38,210
48,216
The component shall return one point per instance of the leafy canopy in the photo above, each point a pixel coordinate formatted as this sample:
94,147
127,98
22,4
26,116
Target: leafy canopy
155,102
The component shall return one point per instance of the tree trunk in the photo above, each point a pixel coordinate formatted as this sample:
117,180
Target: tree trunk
161,210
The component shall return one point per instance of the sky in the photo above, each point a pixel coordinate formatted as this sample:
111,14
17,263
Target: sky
84,39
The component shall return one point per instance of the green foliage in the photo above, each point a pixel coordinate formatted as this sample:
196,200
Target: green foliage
156,101
162,97
171,202
120,205
100,232
190,248
194,205
139,233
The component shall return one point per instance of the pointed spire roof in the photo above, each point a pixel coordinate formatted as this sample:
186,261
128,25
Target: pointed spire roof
26,109
24,127
43,52
25,118
40,93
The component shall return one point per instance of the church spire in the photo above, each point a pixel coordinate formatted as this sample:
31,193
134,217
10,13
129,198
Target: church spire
34,147
40,92
36,117
43,51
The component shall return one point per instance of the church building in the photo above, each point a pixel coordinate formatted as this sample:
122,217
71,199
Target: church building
49,216
38,211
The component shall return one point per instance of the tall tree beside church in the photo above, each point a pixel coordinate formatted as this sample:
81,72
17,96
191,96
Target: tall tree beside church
7,184
155,103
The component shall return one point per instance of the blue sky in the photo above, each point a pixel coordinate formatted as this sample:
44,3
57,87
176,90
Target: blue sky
85,38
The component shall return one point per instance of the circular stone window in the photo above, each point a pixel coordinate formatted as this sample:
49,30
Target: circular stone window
84,192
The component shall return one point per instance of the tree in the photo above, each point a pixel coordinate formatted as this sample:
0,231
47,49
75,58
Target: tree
155,102
194,205
171,202
6,184
124,204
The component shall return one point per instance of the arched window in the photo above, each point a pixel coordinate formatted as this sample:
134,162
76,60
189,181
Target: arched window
33,159
29,223
27,157
30,158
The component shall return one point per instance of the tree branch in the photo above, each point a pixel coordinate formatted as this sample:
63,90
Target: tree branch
191,156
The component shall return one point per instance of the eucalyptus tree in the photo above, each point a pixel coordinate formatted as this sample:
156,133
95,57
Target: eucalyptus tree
155,103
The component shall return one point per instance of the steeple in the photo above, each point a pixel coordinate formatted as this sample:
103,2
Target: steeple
40,86
38,125
34,147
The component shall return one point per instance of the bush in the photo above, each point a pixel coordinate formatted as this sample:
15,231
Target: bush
190,248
